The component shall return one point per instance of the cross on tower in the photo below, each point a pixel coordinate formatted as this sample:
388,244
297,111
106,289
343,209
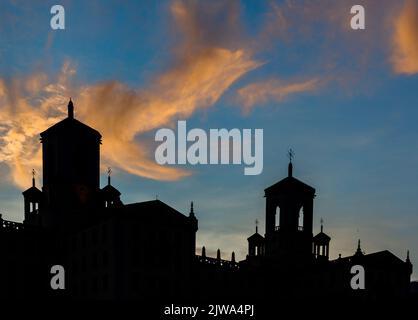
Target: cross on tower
33,177
109,173
290,154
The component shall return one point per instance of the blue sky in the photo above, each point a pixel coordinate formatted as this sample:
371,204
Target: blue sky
343,100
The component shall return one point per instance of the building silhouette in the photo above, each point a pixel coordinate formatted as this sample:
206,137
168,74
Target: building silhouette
116,251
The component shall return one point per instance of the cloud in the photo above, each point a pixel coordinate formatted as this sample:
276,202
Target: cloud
405,39
27,107
204,65
274,90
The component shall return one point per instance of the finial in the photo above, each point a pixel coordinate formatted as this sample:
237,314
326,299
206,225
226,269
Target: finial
256,226
109,173
359,248
407,256
322,225
291,155
33,177
70,108
191,214
233,256
203,252
218,254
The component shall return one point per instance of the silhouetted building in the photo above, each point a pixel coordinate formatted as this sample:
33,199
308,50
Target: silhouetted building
111,250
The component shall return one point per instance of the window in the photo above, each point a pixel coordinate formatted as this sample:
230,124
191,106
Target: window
300,219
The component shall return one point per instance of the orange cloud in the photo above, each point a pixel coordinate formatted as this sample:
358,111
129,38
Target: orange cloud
121,114
203,67
405,39
27,107
272,90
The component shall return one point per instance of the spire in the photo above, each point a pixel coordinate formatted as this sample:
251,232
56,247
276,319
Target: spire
70,108
191,214
256,226
33,178
233,256
290,169
322,225
203,252
407,257
218,254
359,252
109,173
291,154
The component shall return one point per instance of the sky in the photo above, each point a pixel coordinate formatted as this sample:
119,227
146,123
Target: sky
344,100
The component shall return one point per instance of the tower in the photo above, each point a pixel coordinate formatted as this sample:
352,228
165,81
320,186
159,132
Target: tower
321,245
110,196
255,244
289,214
71,168
32,203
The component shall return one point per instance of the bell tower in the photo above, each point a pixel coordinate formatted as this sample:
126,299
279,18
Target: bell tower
32,203
289,215
321,245
71,167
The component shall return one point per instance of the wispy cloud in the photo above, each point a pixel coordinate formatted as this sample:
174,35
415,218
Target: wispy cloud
204,65
273,90
28,106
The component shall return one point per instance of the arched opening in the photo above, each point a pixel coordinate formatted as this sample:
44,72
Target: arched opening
276,223
300,219
33,206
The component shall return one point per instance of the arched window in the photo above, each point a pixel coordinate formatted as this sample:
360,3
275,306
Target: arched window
277,218
300,219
